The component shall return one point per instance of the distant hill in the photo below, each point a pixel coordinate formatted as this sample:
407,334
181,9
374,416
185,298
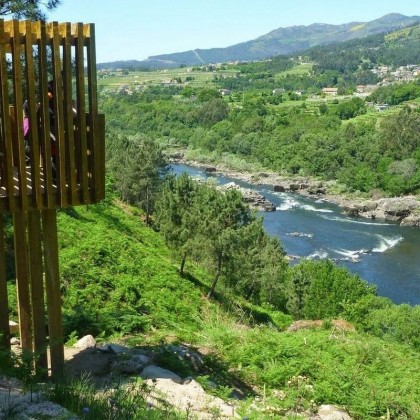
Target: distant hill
397,48
281,41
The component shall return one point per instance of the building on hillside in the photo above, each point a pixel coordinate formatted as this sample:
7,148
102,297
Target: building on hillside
381,107
330,91
278,91
224,92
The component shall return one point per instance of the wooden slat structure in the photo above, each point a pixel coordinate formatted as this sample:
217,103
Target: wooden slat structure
58,162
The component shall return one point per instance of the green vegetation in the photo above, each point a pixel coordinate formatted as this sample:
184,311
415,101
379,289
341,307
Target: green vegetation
120,280
167,259
275,115
292,137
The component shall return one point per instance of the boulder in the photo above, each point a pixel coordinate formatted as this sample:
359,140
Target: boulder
411,220
177,156
351,211
156,372
331,412
191,398
130,363
127,367
368,205
279,188
141,359
14,341
85,342
118,349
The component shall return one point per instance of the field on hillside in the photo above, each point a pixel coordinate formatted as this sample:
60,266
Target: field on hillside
301,69
132,79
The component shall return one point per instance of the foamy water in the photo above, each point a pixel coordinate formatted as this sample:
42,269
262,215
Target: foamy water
308,207
387,243
354,221
319,254
290,203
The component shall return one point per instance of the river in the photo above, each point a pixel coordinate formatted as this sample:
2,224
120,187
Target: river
384,254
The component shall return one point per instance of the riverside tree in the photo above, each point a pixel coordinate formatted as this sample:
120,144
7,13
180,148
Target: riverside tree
219,230
138,166
176,217
223,215
259,266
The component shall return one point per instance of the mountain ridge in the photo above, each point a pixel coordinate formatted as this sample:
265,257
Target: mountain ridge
280,41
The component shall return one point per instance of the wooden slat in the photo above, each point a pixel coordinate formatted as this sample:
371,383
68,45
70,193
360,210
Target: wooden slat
81,115
101,158
65,30
59,115
23,279
6,132
93,111
18,115
32,114
45,117
4,305
37,291
52,280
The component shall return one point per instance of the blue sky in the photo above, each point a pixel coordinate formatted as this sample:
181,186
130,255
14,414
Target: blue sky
137,29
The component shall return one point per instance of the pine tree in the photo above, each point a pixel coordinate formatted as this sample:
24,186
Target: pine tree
28,9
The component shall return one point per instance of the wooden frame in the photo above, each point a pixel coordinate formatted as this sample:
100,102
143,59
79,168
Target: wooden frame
48,65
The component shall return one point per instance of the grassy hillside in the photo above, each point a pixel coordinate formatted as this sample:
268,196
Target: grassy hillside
119,280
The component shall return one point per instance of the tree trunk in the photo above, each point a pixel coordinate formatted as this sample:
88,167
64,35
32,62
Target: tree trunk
216,277
181,269
147,206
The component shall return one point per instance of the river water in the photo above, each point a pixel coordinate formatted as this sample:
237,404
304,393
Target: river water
384,254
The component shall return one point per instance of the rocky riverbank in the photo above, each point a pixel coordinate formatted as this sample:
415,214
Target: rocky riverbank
403,210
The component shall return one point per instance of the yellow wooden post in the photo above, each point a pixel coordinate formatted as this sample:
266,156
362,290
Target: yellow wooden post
23,279
4,305
37,291
52,280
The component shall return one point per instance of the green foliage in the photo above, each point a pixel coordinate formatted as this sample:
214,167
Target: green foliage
396,94
137,165
212,112
399,134
320,289
351,109
219,230
9,409
380,317
29,9
307,368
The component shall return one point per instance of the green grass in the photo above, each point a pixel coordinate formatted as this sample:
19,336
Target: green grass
300,69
